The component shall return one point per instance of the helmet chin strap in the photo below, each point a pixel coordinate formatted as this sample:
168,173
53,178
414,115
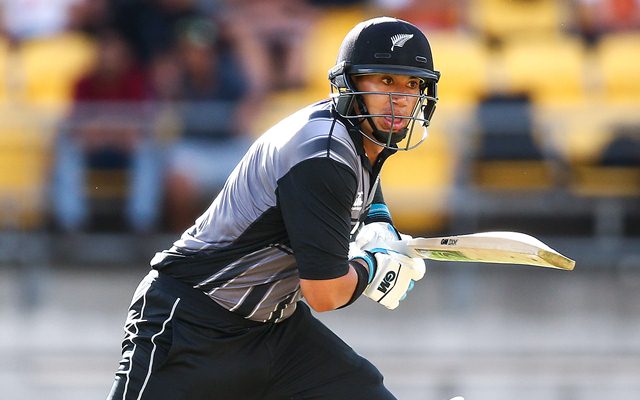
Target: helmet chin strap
380,136
383,137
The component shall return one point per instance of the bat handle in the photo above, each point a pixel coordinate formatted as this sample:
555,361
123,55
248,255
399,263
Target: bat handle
399,246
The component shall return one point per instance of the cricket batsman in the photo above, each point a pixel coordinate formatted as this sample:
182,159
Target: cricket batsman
224,312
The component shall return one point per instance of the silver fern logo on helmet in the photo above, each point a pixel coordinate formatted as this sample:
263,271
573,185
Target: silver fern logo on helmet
400,39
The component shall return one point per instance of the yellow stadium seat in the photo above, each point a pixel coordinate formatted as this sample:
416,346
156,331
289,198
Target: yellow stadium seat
550,69
417,184
616,170
280,104
500,19
508,154
514,175
618,57
463,61
597,181
11,73
324,40
4,69
52,65
578,130
24,160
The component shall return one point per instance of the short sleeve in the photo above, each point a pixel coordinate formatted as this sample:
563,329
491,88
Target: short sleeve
315,199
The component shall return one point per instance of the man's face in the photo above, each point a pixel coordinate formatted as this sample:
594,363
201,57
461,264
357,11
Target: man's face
400,104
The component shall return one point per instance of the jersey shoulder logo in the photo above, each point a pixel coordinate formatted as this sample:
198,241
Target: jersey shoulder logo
400,39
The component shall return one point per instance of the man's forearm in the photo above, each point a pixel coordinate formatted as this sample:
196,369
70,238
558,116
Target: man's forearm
330,294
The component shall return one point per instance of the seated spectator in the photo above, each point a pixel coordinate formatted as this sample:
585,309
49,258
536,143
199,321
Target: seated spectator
88,16
150,25
215,87
593,18
106,130
338,3
280,27
165,81
431,15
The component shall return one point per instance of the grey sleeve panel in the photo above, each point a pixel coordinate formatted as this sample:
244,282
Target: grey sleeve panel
247,194
320,137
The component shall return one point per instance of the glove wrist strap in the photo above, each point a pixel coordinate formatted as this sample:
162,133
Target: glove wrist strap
363,278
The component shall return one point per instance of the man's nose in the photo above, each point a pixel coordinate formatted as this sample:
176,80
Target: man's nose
399,98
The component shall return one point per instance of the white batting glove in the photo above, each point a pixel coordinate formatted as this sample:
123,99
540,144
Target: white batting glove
376,233
391,275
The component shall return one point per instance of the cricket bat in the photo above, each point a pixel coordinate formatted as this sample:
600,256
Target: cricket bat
485,247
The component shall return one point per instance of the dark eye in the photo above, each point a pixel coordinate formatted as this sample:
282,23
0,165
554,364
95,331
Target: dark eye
387,80
413,84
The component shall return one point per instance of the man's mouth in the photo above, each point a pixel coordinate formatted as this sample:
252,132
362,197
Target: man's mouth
394,124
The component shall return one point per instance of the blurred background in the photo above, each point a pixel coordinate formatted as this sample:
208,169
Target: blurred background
120,120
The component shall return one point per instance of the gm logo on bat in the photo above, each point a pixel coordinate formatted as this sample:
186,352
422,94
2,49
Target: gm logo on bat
449,242
389,277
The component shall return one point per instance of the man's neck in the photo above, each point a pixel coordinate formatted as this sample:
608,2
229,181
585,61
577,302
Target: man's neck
372,150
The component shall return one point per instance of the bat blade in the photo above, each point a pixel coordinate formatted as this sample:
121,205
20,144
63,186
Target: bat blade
486,247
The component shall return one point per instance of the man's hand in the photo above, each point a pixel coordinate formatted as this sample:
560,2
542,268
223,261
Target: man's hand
391,275
376,234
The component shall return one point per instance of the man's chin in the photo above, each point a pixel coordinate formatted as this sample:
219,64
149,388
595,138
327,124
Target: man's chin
399,131
394,129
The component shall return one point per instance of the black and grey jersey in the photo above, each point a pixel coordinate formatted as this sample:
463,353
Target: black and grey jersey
286,212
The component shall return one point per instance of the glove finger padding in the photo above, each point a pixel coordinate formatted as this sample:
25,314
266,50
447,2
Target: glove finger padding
393,277
374,233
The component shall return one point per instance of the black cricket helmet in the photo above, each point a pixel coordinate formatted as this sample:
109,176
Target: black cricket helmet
385,45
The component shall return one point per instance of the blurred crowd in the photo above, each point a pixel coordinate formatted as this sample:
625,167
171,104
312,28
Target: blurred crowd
163,113
166,107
